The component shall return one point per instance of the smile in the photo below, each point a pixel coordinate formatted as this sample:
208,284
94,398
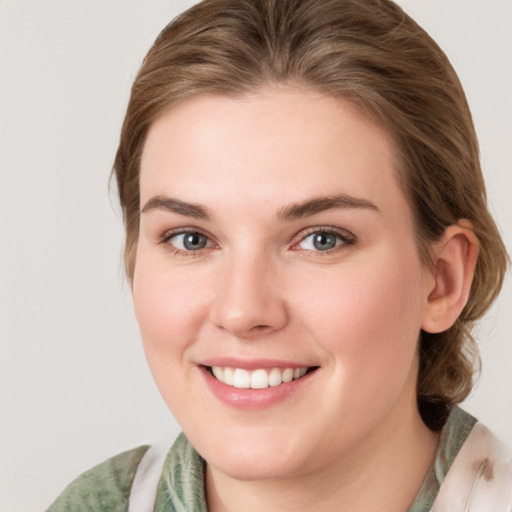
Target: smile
256,379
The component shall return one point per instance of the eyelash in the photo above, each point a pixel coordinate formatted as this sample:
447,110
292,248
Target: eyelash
166,239
344,237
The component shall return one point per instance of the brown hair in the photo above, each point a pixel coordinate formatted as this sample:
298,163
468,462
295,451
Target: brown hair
371,53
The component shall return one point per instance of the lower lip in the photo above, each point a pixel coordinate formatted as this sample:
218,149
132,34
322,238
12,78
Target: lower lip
243,398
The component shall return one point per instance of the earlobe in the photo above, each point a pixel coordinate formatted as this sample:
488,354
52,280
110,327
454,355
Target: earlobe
455,257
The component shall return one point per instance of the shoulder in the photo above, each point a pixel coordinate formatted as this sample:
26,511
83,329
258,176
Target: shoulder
104,487
480,476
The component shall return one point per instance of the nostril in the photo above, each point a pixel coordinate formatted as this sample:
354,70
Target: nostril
261,329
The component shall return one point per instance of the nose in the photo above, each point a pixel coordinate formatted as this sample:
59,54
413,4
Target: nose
249,302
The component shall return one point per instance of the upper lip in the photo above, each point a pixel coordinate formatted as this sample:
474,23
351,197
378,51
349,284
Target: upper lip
253,364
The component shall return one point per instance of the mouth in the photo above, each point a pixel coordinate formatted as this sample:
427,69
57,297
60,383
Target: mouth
259,378
255,385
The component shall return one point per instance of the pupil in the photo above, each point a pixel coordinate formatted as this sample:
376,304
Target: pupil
194,241
324,241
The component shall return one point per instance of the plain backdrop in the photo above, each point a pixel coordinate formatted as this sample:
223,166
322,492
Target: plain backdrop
74,387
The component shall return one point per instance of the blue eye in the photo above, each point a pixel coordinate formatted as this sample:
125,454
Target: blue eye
323,241
189,241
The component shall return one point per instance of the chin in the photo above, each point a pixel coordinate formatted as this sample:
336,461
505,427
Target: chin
257,468
253,460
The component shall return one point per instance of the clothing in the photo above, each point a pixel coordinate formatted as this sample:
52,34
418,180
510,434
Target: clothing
181,484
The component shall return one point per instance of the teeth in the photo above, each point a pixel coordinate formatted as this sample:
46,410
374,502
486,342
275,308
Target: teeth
274,377
228,376
256,379
287,375
241,379
259,379
218,372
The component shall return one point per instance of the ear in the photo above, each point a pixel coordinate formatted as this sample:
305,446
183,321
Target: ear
455,258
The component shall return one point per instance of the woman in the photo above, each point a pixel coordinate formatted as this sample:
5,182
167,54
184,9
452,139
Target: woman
308,245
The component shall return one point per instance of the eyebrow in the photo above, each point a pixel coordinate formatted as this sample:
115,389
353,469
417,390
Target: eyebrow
171,204
320,204
290,212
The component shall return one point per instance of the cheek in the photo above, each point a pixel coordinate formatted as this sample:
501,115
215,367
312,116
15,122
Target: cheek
368,313
169,315
168,307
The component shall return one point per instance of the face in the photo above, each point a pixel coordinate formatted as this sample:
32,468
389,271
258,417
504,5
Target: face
277,284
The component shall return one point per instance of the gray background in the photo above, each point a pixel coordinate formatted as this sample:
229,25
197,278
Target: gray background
74,387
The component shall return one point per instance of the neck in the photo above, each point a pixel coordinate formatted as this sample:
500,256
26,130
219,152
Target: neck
388,467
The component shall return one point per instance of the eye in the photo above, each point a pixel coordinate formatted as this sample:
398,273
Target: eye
325,240
188,241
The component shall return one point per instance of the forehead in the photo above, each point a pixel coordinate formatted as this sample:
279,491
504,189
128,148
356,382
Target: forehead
277,145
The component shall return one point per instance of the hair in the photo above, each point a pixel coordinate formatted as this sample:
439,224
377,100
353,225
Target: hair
372,54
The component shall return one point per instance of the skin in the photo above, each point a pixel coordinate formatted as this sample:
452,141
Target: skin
350,436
